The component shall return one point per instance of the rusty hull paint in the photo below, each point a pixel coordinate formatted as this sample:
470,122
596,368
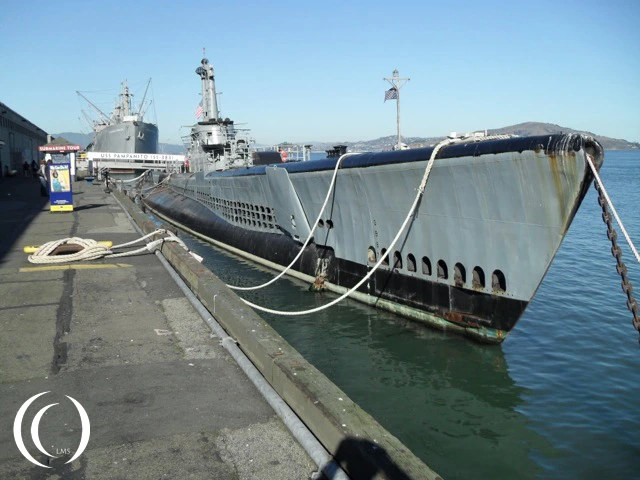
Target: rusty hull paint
576,147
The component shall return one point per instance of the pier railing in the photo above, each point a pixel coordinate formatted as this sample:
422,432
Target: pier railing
136,161
290,152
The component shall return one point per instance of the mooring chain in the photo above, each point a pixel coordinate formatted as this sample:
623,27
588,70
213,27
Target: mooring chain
616,251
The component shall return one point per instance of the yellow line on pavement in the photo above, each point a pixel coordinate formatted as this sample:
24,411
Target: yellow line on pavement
79,266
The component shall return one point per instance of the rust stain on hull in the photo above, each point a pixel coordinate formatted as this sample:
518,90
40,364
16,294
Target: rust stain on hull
555,168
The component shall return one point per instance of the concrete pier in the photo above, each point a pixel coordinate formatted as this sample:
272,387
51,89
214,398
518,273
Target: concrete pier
164,398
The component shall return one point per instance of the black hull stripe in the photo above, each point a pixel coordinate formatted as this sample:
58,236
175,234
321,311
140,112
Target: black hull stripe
483,316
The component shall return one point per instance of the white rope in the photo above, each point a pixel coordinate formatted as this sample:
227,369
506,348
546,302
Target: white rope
133,180
310,236
613,210
92,250
421,188
326,200
146,191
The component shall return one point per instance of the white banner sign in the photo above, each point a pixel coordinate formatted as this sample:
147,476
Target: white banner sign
135,157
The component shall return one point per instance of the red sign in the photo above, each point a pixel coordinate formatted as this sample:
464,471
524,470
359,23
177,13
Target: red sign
59,148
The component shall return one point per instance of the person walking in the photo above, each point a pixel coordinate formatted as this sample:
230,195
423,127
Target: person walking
25,168
44,190
47,174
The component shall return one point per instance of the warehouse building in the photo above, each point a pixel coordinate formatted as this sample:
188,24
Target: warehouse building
19,141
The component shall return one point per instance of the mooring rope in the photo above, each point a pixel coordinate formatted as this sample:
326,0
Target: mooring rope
421,188
613,210
326,200
309,237
139,178
144,192
616,251
92,250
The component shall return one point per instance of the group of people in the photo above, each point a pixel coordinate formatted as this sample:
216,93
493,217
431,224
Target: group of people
30,170
43,173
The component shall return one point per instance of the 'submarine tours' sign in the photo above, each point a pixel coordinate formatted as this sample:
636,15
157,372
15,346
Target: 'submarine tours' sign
59,148
61,196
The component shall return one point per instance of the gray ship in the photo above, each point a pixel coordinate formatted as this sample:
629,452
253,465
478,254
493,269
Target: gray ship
124,131
457,236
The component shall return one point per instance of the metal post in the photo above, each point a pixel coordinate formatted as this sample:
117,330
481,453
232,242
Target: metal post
399,146
397,83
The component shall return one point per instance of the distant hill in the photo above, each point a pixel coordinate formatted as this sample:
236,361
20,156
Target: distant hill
84,139
522,129
172,149
386,143
536,128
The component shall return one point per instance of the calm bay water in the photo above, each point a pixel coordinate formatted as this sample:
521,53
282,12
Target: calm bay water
556,400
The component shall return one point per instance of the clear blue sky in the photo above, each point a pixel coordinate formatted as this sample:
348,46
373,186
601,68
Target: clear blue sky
303,71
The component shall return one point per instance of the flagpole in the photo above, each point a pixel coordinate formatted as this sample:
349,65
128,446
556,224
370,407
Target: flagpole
399,146
397,83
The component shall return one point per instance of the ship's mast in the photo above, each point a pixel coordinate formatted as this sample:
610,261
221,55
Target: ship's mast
125,100
394,93
209,101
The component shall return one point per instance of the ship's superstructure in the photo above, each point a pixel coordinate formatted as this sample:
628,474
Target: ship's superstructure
215,143
124,131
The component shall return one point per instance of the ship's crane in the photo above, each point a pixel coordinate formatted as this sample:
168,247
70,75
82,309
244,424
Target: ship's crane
103,116
140,112
88,119
143,112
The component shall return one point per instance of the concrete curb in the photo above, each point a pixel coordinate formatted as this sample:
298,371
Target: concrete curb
357,442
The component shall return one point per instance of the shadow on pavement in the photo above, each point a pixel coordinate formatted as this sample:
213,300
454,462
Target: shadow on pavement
89,206
20,202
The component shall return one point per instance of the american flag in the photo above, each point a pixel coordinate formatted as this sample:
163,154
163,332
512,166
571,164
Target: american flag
391,94
199,111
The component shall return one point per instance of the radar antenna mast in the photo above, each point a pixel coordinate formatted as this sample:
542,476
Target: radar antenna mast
209,101
393,93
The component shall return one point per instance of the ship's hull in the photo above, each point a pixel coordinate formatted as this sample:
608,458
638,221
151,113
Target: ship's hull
127,137
492,218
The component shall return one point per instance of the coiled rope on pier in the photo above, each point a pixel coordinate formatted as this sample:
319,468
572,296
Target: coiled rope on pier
420,192
92,250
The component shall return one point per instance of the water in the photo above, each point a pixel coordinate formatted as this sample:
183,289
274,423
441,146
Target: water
556,400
